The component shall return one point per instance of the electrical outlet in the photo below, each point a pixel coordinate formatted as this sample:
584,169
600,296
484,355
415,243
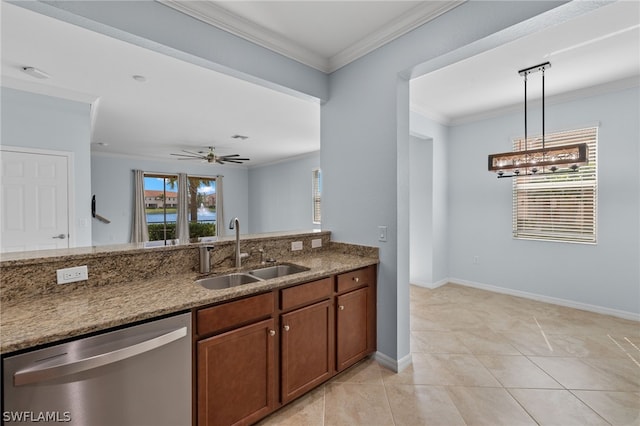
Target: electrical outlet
70,275
316,242
296,245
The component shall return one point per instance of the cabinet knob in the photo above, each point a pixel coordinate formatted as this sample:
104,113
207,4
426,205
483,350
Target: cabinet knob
272,332
286,328
356,279
341,307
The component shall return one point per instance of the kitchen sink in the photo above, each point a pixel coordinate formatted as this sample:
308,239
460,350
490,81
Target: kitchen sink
226,281
220,282
277,271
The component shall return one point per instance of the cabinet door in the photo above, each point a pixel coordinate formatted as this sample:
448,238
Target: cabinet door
352,338
236,383
307,349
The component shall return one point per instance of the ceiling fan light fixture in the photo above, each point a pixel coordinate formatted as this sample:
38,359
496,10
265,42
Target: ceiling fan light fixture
543,160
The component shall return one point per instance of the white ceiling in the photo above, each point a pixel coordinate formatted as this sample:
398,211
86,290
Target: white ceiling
594,52
184,106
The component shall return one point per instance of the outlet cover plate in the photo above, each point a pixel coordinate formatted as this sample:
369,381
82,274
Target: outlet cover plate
71,275
296,245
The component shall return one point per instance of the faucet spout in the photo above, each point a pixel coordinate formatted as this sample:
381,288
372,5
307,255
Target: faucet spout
235,224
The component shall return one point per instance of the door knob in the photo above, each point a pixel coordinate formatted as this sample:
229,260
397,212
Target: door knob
341,307
61,236
272,332
286,328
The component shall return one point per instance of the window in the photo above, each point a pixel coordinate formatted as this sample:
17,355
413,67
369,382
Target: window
161,203
202,206
316,194
161,206
558,207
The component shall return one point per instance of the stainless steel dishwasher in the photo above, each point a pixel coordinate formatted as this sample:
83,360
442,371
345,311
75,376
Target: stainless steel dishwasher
135,376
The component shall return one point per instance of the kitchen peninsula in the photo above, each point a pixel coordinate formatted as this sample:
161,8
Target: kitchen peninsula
132,284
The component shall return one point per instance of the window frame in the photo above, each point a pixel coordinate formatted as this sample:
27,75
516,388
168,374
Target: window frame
316,196
548,213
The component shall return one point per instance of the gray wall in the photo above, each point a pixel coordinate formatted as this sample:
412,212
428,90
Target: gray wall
280,195
112,184
44,122
604,275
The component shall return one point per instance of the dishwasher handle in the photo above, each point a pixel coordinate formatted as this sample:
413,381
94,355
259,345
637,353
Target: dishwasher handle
64,368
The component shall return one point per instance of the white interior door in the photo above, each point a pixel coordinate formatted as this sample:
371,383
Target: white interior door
34,203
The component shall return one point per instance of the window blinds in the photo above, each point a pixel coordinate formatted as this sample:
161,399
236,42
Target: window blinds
558,207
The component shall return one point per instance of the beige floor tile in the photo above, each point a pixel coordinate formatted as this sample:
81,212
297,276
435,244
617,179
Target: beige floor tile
485,341
516,371
422,405
618,408
615,374
556,407
443,370
488,406
356,404
437,342
307,410
367,371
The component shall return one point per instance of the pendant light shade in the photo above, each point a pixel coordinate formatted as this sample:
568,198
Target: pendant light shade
565,158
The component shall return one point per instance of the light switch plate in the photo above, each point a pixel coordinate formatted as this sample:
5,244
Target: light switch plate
382,233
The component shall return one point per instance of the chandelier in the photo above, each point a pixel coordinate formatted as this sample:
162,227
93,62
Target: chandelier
529,162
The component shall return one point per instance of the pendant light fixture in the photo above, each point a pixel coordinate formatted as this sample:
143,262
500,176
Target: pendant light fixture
558,159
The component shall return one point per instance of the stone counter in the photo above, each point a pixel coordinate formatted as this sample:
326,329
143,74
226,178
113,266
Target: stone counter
47,313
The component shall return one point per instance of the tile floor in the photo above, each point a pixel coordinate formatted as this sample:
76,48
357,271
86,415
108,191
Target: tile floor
483,358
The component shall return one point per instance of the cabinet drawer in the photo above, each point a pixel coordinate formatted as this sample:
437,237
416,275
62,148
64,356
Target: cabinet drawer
305,293
355,279
231,314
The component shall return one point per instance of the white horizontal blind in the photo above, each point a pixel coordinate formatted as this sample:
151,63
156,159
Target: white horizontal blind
317,176
558,207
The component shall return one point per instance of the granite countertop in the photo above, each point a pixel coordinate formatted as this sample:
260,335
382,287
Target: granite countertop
41,320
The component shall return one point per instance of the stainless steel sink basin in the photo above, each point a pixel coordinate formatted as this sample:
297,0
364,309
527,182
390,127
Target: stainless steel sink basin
277,271
226,281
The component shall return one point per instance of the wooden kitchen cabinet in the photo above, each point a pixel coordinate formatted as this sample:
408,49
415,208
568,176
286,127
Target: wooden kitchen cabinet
355,317
280,343
236,367
306,349
236,375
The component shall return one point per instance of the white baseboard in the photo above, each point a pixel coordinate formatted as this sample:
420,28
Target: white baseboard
393,364
429,285
548,299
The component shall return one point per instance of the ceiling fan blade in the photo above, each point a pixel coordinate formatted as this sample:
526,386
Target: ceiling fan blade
229,158
188,156
231,155
233,161
194,153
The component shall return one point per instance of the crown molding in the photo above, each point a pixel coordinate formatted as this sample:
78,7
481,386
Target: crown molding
403,24
212,14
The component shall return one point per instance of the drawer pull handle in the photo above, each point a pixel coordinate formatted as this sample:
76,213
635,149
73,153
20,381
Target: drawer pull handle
286,328
272,332
356,279
341,307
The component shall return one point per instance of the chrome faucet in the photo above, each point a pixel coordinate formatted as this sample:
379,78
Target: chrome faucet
235,224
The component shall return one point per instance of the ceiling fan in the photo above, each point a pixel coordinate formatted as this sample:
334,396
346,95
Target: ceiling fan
211,157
